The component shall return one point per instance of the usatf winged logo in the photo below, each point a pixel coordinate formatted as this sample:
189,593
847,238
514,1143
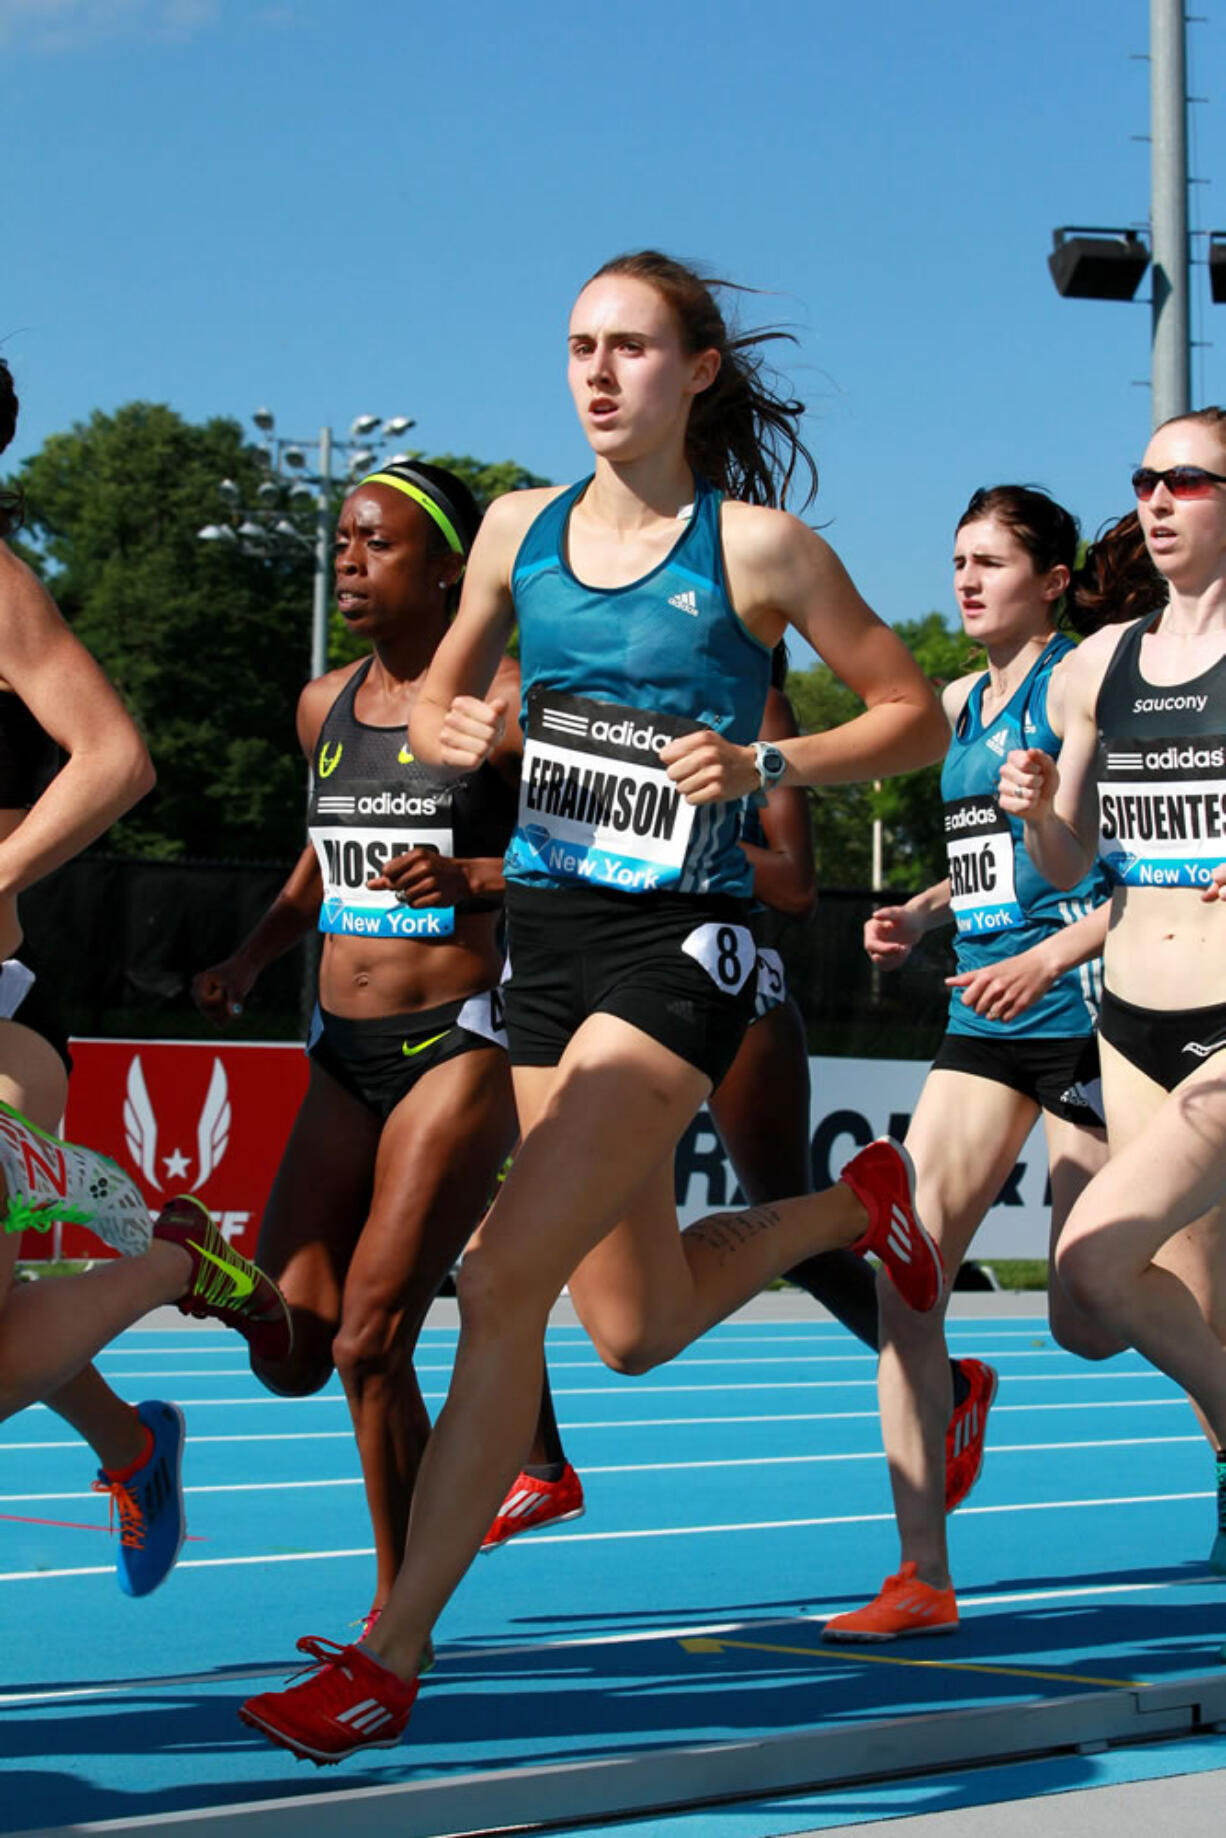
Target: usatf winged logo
141,1129
328,766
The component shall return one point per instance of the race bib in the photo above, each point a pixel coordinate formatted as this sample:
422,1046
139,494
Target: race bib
772,986
355,834
483,1014
726,953
979,847
595,804
1162,811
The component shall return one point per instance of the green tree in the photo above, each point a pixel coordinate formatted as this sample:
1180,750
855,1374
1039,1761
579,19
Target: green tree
208,646
909,807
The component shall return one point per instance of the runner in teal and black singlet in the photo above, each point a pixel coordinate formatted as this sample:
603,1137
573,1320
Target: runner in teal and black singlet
409,1113
648,601
1020,1038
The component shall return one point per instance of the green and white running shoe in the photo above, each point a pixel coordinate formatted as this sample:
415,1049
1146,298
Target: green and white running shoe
50,1181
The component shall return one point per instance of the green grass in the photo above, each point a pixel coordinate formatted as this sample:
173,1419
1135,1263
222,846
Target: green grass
1019,1272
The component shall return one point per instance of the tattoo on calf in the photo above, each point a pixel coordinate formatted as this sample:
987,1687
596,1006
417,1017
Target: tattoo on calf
725,1233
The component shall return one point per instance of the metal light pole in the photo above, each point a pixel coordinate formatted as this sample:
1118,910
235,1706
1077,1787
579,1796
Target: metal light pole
323,572
1172,394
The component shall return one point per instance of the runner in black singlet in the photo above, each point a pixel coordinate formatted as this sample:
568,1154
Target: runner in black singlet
409,1114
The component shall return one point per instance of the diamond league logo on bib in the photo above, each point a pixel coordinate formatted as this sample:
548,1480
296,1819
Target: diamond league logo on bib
595,803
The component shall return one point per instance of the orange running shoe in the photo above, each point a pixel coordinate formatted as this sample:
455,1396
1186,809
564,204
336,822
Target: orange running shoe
905,1606
532,1503
967,1427
883,1180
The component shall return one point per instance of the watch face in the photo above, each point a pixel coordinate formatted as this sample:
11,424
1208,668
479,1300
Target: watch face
773,763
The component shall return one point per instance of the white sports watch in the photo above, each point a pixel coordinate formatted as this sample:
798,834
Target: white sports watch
770,762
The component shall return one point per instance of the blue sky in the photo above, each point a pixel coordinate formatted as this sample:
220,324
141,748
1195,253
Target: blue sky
389,205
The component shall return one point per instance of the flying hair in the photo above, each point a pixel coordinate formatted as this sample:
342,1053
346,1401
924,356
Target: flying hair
743,434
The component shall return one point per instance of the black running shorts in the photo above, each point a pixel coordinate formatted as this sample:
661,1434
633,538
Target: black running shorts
1058,1071
682,968
379,1061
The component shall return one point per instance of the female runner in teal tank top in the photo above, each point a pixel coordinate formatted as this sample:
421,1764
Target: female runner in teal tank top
1020,1039
650,599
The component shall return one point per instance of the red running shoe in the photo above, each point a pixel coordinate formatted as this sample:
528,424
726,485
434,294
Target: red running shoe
964,1437
532,1503
225,1284
349,1702
905,1606
883,1179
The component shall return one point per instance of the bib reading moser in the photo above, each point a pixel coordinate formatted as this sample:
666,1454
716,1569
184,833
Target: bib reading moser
595,804
356,832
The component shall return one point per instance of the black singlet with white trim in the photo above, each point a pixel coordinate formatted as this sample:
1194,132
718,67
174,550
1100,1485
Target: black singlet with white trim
371,800
1161,768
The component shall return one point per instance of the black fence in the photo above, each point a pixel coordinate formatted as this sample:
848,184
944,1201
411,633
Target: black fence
119,941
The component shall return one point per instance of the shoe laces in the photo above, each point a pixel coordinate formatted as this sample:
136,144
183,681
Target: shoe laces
366,1622
326,1656
131,1518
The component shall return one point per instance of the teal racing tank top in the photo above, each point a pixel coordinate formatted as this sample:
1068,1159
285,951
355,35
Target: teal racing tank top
610,676
1002,905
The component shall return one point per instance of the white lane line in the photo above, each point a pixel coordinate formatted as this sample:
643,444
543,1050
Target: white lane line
656,1423
539,1539
634,1388
455,1657
653,1467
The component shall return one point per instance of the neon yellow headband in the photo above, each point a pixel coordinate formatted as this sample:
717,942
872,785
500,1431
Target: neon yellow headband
428,504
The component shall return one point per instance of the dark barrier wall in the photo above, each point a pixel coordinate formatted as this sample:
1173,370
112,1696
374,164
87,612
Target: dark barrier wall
120,940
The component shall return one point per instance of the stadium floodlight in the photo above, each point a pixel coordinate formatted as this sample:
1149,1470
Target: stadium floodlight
217,532
398,425
1217,266
1097,264
283,527
265,420
361,461
302,493
250,531
229,491
363,426
268,491
294,456
396,459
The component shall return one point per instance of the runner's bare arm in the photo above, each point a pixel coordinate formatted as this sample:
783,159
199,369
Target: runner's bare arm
108,768
783,870
1059,804
220,991
1007,989
461,714
782,573
892,931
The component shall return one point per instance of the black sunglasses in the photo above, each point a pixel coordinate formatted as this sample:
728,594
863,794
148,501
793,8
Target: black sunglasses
1180,481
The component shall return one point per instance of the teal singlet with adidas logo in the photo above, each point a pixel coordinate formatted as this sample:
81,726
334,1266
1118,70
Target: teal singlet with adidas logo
610,676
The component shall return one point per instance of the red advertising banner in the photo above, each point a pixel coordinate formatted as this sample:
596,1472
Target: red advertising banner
190,1116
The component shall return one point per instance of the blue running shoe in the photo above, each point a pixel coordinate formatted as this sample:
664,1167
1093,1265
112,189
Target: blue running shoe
149,1500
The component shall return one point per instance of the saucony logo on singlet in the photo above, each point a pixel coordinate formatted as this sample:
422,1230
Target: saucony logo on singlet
1158,705
242,1280
328,766
404,757
998,742
421,1045
685,602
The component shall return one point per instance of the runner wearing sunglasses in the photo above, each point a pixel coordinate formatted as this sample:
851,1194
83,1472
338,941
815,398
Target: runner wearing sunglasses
649,598
1142,782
